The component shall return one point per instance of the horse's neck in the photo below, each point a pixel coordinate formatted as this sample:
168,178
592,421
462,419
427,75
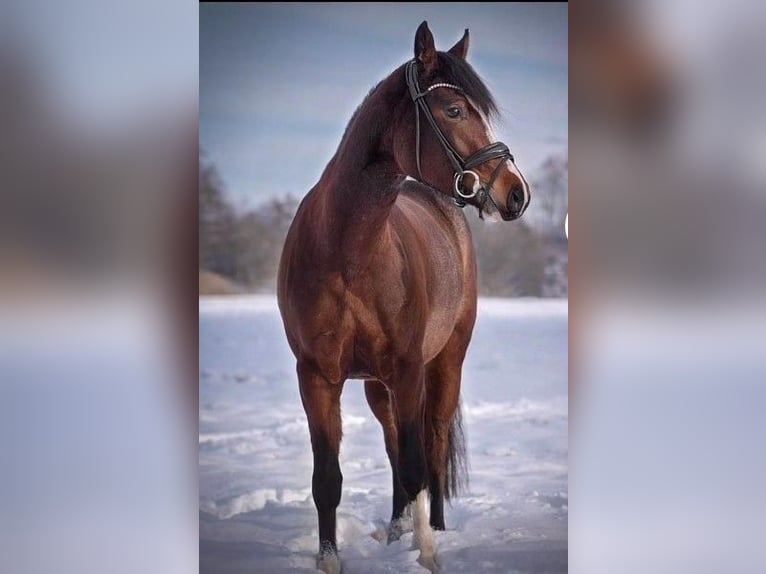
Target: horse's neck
365,140
360,184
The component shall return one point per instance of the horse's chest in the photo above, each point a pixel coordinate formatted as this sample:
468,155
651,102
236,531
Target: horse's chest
345,347
403,303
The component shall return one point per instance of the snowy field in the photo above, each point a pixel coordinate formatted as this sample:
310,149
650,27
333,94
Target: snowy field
255,463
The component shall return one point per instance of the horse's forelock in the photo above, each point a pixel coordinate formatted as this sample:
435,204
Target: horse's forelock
454,70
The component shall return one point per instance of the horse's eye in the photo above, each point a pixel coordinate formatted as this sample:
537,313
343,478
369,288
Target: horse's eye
453,112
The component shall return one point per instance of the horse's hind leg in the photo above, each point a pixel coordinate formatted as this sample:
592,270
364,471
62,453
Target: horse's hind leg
445,450
409,403
321,401
443,391
379,400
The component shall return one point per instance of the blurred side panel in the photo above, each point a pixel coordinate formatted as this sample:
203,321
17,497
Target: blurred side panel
668,286
98,249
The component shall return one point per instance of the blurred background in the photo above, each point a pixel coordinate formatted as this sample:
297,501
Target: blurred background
279,83
99,168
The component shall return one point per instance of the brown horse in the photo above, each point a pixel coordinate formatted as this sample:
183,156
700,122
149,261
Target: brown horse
378,278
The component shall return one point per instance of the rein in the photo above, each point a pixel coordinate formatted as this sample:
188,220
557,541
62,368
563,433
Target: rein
496,150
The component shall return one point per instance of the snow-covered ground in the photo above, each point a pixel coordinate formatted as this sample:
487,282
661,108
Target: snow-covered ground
256,511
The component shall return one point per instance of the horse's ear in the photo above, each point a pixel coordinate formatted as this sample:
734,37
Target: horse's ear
461,48
425,51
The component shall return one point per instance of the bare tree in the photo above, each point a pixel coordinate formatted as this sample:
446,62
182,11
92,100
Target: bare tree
550,197
217,223
259,239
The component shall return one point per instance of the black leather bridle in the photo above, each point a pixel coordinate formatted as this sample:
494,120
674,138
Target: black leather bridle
496,150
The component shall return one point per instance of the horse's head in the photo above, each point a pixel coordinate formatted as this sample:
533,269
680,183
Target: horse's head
448,129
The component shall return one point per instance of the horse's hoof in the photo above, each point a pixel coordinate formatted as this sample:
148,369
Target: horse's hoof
379,534
430,563
329,562
394,534
397,528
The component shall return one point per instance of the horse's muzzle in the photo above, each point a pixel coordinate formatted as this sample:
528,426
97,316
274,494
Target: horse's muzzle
516,203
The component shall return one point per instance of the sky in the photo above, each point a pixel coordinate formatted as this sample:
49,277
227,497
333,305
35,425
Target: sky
279,83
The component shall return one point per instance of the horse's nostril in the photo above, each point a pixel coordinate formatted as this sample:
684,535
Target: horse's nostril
517,196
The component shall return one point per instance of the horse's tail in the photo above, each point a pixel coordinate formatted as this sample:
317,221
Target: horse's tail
457,460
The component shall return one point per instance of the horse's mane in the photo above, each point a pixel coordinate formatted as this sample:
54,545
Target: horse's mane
356,113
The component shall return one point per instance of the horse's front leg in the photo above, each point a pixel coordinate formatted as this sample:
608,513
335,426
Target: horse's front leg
321,401
409,401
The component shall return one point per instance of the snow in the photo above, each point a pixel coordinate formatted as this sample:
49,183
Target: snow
256,510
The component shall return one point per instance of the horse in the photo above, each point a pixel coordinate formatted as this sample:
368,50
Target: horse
377,280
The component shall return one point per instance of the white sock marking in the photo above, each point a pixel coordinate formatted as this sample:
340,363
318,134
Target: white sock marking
423,535
329,564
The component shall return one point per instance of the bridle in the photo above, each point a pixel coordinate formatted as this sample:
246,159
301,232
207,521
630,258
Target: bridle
496,150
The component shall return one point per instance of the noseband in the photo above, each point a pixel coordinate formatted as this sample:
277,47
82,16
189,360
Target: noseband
496,150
